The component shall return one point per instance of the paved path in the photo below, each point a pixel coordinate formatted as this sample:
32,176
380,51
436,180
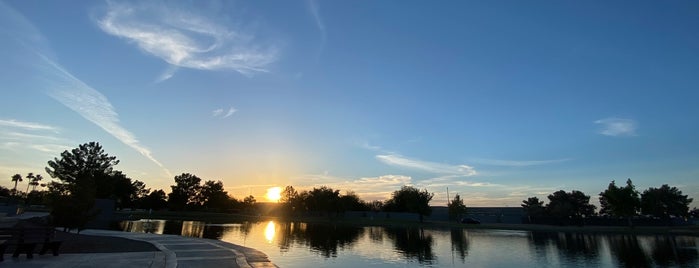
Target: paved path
175,251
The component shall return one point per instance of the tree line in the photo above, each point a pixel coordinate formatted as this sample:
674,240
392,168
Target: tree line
615,201
87,172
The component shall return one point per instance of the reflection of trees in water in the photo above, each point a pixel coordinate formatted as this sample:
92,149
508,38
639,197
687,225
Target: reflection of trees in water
193,228
322,238
375,233
213,231
674,251
571,246
459,242
628,251
173,227
413,243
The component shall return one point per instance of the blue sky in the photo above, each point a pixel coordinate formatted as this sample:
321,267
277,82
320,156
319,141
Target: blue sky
497,101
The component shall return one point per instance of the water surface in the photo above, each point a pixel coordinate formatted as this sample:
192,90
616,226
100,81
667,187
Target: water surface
299,244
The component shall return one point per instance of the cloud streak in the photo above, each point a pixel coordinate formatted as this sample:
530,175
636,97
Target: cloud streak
27,125
617,127
400,161
220,112
91,105
518,163
186,40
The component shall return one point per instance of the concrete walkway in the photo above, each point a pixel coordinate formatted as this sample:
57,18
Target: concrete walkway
175,251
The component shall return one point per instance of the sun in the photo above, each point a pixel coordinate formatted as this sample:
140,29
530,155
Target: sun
274,193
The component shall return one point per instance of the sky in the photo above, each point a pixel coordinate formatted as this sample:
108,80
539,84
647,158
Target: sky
496,101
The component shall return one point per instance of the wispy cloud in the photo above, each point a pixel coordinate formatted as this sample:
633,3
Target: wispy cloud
22,135
518,163
368,188
185,39
27,125
617,127
314,9
220,112
398,160
91,105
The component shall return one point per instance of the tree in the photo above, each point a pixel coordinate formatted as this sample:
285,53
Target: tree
567,205
290,199
456,208
410,199
350,201
213,196
533,207
16,178
35,181
620,201
184,192
85,173
249,202
664,202
30,177
155,200
323,199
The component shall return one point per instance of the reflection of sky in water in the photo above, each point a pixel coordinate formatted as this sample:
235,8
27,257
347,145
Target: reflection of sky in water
313,245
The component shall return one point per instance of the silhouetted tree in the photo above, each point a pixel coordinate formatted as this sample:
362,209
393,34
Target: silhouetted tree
456,208
664,202
4,191
567,205
84,173
350,201
249,202
290,199
16,178
410,199
155,200
30,177
35,181
620,201
323,199
184,192
533,207
213,196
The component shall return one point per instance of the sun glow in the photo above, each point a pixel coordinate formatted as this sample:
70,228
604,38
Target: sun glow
274,194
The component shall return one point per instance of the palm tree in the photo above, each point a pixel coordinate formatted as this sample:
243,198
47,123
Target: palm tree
30,178
35,181
16,178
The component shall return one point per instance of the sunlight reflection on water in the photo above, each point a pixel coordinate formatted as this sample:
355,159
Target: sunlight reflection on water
299,244
270,231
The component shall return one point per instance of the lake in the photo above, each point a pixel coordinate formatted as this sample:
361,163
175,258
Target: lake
298,244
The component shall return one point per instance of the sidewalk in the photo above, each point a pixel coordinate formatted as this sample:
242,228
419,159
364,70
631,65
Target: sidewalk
175,251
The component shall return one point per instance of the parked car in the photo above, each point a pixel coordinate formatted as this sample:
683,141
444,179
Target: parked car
469,220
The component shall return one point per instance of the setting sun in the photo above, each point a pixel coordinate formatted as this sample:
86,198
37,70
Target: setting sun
274,193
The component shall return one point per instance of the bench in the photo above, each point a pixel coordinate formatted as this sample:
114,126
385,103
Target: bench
25,241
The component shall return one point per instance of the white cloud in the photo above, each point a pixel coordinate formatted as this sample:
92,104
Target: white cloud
220,112
368,188
91,105
314,9
186,40
27,125
617,127
518,163
397,160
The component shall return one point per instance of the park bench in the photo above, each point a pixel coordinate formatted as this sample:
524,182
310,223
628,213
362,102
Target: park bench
25,240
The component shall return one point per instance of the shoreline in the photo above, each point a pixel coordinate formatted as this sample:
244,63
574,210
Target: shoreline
209,217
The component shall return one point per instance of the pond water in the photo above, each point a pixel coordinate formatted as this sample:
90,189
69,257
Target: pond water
298,244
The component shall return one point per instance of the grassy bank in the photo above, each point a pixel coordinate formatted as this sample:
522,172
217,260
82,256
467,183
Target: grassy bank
210,217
